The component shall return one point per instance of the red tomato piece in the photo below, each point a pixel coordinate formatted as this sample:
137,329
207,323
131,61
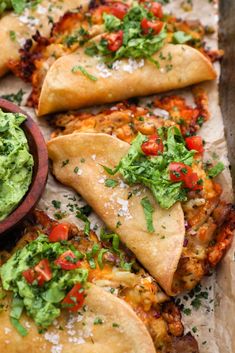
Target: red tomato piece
153,146
75,298
115,40
59,233
156,9
43,271
151,27
194,143
119,9
182,172
29,275
192,182
40,273
178,171
67,261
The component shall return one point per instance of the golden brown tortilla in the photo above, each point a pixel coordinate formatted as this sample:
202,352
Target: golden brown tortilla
24,28
121,331
160,251
64,89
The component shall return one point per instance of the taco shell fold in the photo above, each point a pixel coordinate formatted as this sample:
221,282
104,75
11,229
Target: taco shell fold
64,89
160,251
120,331
15,29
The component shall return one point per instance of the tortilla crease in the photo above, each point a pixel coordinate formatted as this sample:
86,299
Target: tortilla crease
159,251
22,27
121,330
63,89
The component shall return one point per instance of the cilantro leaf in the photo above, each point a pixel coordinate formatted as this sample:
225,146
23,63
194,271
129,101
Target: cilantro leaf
181,37
148,212
80,68
111,183
216,170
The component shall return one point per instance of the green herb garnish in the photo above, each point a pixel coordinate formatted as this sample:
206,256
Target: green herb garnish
181,37
14,97
137,168
111,183
84,72
216,170
148,212
136,44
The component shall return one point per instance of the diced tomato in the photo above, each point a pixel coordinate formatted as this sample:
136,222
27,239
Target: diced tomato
74,299
194,143
43,271
153,146
182,172
118,9
151,27
68,261
178,171
115,40
192,182
59,233
156,9
29,275
40,273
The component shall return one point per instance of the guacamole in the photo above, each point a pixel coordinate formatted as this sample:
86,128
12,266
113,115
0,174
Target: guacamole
16,163
42,301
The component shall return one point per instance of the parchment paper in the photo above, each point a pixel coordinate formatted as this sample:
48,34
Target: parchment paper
213,324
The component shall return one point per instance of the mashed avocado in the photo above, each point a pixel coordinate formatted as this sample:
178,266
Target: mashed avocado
16,163
42,303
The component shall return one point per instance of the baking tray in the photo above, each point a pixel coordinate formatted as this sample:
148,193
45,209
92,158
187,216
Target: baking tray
227,79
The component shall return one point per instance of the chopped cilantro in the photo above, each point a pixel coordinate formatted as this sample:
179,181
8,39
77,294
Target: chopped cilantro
98,321
148,212
56,203
84,72
217,169
187,311
115,324
64,163
12,35
14,97
137,168
111,183
181,37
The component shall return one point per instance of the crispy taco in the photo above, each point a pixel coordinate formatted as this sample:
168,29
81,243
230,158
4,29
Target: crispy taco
207,220
17,29
73,292
86,82
75,29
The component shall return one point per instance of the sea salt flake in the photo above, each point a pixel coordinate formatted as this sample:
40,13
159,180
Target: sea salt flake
7,330
101,180
133,65
52,337
57,349
41,10
103,70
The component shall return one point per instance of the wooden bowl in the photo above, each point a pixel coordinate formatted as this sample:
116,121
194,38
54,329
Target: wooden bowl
38,149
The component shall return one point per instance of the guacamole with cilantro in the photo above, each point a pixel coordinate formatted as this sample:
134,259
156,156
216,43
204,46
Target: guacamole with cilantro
16,163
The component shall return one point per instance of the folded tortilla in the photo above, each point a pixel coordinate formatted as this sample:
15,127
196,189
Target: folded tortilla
121,331
15,29
63,89
160,251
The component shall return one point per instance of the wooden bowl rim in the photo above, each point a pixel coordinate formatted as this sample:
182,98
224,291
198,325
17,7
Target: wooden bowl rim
38,183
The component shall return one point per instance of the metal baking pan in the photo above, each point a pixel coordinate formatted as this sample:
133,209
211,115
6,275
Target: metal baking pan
227,80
